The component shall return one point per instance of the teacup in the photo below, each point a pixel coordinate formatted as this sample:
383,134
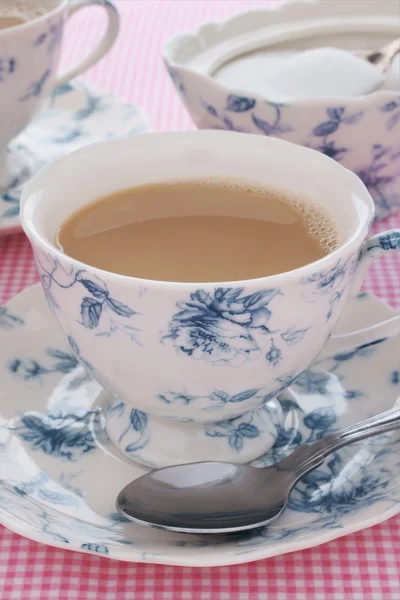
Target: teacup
29,56
195,370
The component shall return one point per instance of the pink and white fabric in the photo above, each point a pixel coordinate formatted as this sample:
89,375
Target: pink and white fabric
362,566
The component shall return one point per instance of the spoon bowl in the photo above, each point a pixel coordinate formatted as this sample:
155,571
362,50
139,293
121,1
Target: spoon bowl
207,497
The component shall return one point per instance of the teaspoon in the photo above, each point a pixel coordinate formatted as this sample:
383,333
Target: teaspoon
383,58
218,497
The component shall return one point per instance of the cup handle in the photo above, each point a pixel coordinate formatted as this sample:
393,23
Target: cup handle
103,46
373,248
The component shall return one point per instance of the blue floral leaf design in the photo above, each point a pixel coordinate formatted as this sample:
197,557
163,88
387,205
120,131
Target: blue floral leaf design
335,113
239,103
211,110
66,88
235,441
219,395
288,405
74,346
353,119
8,320
67,362
96,290
120,309
293,336
395,378
392,122
99,548
92,104
243,396
13,211
228,124
228,294
215,433
248,430
259,299
263,125
326,128
321,418
34,424
389,241
138,420
57,498
91,312
389,106
317,478
287,437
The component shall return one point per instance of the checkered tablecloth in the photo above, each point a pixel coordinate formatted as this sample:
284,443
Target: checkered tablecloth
362,566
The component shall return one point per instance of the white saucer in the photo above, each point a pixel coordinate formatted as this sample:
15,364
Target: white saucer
59,476
76,115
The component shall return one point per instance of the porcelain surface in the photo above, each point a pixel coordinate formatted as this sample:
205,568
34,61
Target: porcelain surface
222,92
60,475
77,114
208,359
29,57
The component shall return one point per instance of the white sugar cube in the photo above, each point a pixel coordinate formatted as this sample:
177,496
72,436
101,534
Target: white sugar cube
322,72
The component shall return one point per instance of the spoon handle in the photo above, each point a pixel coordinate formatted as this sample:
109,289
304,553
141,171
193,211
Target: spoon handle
382,59
311,456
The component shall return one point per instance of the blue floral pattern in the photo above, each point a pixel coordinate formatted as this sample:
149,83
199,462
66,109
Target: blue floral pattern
214,400
8,66
96,300
375,175
236,434
30,368
137,423
357,482
72,119
8,320
332,283
51,37
64,435
35,89
392,109
330,129
229,327
384,241
275,126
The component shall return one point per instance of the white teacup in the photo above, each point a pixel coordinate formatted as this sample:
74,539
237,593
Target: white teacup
195,369
29,56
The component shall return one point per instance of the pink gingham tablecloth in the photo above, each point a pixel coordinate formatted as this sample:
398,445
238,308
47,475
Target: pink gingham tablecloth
362,566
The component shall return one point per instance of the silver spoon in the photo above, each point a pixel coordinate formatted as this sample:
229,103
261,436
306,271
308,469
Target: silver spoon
217,497
383,58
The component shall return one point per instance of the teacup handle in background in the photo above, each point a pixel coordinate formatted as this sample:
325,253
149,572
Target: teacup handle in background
373,248
103,46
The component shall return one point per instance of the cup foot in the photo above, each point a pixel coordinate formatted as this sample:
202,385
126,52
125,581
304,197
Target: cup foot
157,443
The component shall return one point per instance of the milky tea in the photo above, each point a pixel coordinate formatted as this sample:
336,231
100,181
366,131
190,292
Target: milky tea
17,12
199,231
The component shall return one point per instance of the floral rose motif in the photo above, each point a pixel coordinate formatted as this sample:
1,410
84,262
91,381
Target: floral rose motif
223,327
67,437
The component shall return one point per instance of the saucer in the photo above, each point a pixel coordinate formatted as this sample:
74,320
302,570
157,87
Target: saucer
60,475
76,115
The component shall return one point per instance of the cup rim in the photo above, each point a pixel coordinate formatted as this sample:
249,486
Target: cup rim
353,243
62,4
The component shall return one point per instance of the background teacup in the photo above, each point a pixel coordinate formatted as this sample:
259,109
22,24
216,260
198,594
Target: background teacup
196,368
29,56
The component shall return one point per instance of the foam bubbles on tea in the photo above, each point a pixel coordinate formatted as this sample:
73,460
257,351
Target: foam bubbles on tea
199,231
17,12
